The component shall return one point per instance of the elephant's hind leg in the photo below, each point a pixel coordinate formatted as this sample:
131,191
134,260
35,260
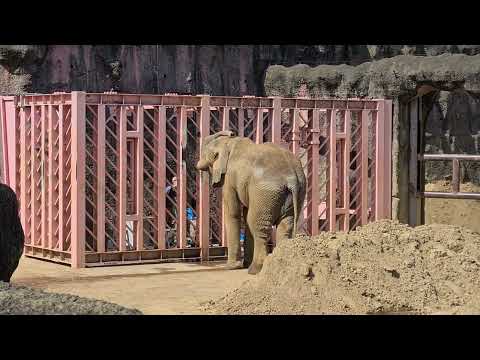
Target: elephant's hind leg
261,228
248,244
285,229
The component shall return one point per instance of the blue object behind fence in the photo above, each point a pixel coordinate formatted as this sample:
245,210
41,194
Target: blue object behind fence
190,214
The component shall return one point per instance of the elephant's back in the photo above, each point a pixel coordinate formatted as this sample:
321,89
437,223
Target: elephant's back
270,161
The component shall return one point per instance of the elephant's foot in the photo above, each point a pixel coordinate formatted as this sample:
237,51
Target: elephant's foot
233,265
255,268
247,263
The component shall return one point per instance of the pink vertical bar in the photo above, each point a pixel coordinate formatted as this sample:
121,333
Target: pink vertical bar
346,167
364,167
45,180
332,189
225,126
241,122
379,161
52,180
160,154
78,179
259,130
122,172
23,171
34,177
277,120
313,176
387,118
204,200
61,177
101,178
139,175
5,171
9,122
226,118
296,132
182,177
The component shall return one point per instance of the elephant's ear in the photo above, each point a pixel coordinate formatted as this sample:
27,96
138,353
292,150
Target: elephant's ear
219,166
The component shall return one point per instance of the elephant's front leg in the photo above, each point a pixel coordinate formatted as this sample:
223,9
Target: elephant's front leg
232,221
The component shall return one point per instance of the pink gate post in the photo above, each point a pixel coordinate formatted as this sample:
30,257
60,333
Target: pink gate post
78,179
204,193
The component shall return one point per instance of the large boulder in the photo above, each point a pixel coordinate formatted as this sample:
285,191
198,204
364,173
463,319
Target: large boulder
11,233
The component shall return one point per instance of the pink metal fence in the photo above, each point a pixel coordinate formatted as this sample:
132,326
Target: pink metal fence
91,170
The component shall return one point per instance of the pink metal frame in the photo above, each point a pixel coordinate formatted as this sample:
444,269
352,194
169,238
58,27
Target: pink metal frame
91,169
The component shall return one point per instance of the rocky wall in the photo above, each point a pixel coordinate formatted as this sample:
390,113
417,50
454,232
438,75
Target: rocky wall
450,83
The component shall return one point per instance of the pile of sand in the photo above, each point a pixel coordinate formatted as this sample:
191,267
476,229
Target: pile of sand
21,300
383,267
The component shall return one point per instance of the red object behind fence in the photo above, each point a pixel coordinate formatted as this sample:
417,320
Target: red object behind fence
92,170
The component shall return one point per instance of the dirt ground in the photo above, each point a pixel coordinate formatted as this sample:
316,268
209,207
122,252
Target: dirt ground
381,268
451,211
154,289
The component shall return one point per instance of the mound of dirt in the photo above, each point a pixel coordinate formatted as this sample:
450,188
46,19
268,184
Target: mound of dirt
20,300
383,267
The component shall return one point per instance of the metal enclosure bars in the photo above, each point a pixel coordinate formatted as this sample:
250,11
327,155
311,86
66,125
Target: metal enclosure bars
94,172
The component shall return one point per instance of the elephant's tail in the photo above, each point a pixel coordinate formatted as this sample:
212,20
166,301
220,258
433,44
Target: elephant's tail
298,196
294,191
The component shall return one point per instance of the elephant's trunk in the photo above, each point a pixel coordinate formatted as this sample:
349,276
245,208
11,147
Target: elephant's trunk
202,165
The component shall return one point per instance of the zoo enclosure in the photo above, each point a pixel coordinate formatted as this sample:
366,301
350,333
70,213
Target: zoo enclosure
91,169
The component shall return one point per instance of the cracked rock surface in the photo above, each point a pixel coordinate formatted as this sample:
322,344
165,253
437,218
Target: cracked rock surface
21,300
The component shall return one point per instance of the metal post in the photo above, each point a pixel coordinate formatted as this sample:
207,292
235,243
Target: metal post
78,179
139,179
387,187
61,177
204,194
277,120
346,170
364,167
259,129
296,132
241,122
379,117
313,175
44,178
160,154
5,170
122,173
181,177
101,178
332,189
35,205
52,179
225,126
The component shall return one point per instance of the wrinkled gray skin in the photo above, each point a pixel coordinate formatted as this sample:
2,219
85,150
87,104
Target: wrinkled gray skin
267,180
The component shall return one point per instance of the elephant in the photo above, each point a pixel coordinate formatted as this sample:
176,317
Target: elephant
267,180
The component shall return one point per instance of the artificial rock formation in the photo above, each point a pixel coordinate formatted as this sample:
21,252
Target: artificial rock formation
199,69
450,84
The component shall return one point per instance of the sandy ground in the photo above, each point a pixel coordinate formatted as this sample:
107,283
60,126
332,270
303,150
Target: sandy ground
154,289
452,211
